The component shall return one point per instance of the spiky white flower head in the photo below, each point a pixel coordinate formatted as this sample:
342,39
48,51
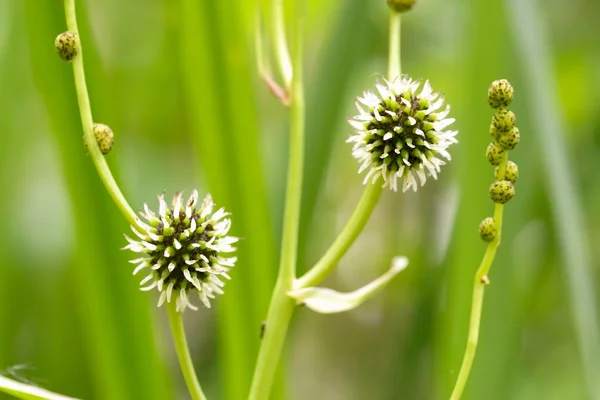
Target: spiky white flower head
401,133
185,249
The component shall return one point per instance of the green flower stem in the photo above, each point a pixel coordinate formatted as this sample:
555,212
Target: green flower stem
353,227
479,284
183,352
279,39
281,307
394,51
88,122
28,392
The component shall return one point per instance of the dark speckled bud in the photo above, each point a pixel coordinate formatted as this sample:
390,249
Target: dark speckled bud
401,5
488,230
67,45
500,93
502,191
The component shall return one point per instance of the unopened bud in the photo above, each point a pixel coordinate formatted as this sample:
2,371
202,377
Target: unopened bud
488,230
509,140
511,173
401,5
104,137
502,191
504,120
494,153
67,45
500,93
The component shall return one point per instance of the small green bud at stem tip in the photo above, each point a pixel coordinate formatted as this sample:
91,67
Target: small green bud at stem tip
494,153
509,140
500,93
401,5
502,191
488,230
67,45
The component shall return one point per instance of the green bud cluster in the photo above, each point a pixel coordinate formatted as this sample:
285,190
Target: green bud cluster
505,137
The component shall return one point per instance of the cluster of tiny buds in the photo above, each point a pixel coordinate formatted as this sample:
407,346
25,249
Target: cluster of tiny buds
505,136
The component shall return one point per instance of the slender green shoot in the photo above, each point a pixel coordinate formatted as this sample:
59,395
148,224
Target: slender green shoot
479,284
183,352
282,306
353,227
394,59
278,37
87,121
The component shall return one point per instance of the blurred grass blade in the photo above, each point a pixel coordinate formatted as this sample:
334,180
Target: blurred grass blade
28,392
533,41
222,110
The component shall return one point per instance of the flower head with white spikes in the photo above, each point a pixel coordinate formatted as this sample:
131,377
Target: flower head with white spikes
401,134
185,248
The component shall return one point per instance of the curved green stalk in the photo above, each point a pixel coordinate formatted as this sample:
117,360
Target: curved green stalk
282,306
183,353
353,227
479,284
87,121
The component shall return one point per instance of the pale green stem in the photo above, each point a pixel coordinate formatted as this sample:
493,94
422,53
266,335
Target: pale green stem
278,36
28,392
88,122
282,306
183,352
394,63
479,284
353,227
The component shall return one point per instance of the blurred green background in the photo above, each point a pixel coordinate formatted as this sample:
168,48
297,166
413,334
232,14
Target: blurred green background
176,82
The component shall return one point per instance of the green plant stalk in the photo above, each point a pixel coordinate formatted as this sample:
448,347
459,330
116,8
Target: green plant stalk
183,352
28,392
479,284
282,306
394,60
353,228
87,121
371,194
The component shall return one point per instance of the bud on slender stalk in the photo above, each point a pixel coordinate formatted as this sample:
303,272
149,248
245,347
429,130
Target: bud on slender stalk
502,191
488,230
401,5
67,45
500,93
494,153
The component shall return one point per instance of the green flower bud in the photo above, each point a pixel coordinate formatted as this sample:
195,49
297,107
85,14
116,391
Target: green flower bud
488,230
67,45
494,153
504,120
509,140
502,191
104,137
401,5
500,93
511,173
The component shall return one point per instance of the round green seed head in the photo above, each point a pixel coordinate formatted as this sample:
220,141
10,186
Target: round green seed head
500,93
67,45
504,120
105,137
509,140
502,191
494,153
511,173
488,230
401,5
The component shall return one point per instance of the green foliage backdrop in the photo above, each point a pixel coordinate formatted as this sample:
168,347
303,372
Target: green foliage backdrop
176,81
